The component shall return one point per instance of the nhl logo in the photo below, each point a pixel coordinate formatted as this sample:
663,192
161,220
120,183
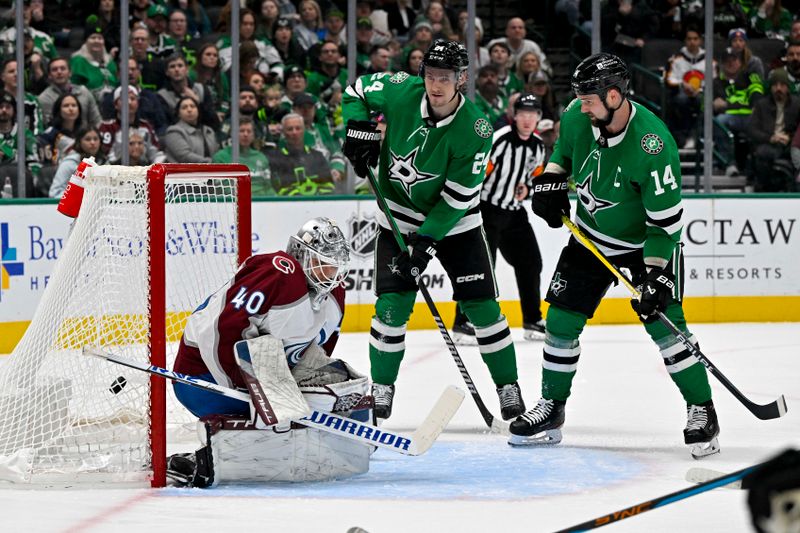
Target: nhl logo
363,230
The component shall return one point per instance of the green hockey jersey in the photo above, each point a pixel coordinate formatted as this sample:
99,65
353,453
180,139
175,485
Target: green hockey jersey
628,186
430,172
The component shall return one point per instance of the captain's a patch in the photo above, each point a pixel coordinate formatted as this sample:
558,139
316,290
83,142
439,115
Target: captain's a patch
652,144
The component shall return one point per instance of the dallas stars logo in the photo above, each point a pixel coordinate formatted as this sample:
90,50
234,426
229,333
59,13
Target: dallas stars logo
557,285
587,198
652,144
404,170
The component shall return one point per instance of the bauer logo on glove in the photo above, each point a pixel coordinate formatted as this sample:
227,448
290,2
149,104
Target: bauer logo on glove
550,187
550,201
656,294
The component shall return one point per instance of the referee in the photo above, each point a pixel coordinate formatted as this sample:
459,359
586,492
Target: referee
517,156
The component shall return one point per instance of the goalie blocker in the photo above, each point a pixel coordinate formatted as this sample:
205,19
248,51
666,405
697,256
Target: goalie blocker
240,449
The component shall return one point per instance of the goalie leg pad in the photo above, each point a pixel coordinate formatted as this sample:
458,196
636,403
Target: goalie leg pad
243,454
263,358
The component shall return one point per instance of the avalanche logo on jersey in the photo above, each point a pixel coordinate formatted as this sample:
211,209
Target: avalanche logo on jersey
404,171
587,198
283,264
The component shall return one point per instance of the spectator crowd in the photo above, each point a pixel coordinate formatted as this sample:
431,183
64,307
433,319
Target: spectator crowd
292,57
755,86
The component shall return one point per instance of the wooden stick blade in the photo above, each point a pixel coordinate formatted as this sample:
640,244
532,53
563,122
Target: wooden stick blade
441,414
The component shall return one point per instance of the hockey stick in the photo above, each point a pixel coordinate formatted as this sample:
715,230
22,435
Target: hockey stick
495,424
769,411
661,501
702,475
415,443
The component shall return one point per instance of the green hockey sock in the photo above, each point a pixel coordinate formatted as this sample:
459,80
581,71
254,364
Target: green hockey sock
388,335
494,339
561,352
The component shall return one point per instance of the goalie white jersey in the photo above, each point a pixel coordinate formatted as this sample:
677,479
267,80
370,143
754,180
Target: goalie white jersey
268,295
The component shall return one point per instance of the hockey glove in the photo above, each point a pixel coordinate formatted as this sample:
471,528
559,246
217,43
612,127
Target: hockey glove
362,145
411,263
549,200
656,294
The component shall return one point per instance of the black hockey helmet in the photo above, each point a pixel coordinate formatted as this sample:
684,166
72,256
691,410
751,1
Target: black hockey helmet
445,54
528,102
598,73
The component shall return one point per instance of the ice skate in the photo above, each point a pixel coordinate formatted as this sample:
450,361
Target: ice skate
194,469
384,396
511,403
701,430
539,426
181,468
533,331
464,335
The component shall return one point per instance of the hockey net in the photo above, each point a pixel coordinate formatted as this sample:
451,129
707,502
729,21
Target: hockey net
150,244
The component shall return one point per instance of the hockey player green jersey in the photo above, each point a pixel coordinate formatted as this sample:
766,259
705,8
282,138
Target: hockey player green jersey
628,186
430,171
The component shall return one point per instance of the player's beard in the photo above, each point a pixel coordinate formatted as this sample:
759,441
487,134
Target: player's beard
596,122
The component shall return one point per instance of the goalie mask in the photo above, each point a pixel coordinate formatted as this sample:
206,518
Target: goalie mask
322,250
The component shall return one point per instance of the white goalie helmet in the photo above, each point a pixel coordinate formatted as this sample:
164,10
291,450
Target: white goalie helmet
322,250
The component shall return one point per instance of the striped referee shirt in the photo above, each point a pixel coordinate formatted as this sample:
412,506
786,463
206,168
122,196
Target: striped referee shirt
512,161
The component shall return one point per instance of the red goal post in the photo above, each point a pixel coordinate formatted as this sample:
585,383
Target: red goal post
149,245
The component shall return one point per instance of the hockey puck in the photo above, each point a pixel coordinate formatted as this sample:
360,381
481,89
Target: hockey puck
118,385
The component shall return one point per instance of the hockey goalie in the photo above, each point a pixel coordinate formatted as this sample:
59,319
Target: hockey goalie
271,331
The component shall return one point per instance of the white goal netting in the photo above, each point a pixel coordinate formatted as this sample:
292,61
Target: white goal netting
70,418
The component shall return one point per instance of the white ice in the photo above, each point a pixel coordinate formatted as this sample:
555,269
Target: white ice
622,445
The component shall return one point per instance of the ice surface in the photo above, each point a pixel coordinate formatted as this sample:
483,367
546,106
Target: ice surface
622,445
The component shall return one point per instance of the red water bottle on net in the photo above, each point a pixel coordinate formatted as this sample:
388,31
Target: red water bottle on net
70,203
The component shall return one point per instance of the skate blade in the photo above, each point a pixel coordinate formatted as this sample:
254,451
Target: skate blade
549,437
704,449
461,339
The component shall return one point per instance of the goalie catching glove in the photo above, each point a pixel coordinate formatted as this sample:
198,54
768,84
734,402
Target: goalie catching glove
362,145
656,294
411,263
550,200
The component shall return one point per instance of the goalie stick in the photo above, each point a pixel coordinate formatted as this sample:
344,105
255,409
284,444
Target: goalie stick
661,501
769,411
415,443
497,425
